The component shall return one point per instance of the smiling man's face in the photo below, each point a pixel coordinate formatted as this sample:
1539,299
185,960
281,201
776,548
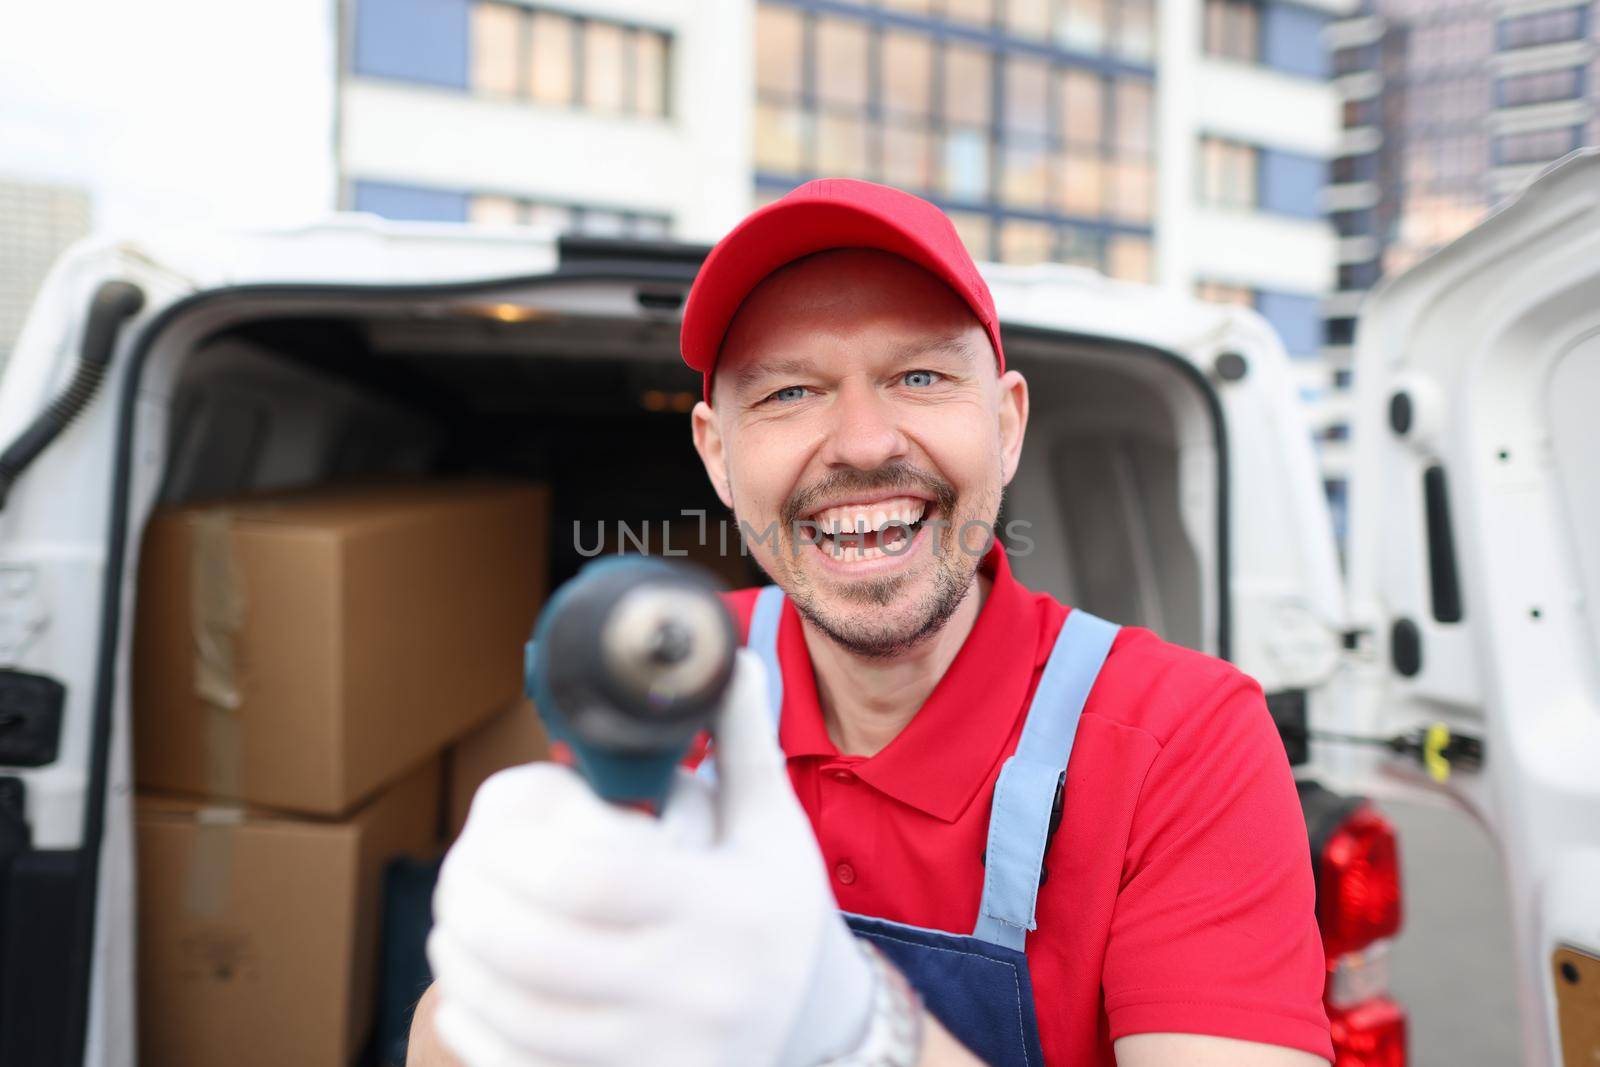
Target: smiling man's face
857,413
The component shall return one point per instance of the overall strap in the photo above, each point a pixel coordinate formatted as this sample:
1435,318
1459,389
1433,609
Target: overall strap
1019,821
763,641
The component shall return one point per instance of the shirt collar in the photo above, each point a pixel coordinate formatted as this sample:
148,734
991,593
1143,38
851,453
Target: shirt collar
946,754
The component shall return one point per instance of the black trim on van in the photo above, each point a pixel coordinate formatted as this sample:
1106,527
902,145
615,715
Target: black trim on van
673,269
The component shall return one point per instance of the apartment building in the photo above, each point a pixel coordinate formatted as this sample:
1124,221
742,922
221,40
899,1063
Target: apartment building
609,117
1184,144
1447,106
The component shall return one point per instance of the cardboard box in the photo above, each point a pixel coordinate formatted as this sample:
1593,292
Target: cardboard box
513,737
257,939
298,651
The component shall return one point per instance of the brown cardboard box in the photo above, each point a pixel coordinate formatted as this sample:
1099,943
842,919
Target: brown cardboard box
513,737
298,651
258,932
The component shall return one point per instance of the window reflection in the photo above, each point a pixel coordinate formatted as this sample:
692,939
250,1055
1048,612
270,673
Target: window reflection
964,169
1233,29
976,11
603,67
1026,241
842,62
907,74
551,70
1081,24
539,55
496,210
966,85
779,51
1046,169
496,30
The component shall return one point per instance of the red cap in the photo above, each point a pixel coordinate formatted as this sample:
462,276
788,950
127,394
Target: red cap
820,215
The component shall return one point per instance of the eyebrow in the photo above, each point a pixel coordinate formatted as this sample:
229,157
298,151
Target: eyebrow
955,344
772,368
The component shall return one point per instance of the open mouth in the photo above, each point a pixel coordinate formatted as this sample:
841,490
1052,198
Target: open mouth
855,532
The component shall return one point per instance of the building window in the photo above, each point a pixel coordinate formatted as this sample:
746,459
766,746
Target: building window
1028,18
1037,155
1536,146
1228,172
1361,223
1340,331
1129,257
422,43
1232,29
1296,317
1540,87
1358,58
977,12
1223,293
409,202
419,204
552,58
1359,276
1290,183
1541,27
1357,113
1358,168
1292,39
493,210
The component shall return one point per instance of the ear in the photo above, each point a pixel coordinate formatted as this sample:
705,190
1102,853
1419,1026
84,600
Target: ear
708,441
1013,422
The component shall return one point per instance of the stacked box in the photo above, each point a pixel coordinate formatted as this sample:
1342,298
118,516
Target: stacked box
302,661
258,931
298,651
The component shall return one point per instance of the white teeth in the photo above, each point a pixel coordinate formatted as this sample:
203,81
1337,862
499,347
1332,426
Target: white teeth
854,521
851,518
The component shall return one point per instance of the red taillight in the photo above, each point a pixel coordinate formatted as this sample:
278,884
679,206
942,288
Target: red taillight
1358,884
1369,1034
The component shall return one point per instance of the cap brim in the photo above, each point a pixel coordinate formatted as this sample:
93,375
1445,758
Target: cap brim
775,236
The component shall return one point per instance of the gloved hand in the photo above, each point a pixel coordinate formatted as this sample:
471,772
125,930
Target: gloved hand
569,931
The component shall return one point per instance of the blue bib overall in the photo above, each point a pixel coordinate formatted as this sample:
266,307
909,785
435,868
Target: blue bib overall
977,984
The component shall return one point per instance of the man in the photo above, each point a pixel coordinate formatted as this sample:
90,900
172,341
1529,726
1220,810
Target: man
1079,845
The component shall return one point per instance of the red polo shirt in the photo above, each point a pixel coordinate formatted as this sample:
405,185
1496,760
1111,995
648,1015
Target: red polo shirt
1180,894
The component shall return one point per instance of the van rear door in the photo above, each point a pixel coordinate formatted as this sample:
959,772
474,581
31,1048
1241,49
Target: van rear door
60,858
1474,569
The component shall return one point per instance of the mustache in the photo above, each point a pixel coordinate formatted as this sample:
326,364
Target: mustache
891,476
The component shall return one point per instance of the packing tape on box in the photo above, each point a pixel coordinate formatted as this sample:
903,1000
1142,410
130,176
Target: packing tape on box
205,890
217,607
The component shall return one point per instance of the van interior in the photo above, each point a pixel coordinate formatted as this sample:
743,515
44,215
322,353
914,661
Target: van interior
1117,507
1118,501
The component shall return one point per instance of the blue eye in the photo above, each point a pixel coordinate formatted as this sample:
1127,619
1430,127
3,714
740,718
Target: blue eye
789,392
919,379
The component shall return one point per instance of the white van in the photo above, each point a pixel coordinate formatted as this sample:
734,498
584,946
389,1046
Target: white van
1168,479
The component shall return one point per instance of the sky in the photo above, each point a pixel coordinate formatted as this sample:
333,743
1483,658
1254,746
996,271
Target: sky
195,112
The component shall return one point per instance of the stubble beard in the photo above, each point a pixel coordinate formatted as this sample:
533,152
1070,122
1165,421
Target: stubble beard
867,632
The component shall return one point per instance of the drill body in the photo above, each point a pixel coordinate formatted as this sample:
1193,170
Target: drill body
627,665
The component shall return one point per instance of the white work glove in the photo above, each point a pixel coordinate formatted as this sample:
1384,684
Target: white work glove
569,931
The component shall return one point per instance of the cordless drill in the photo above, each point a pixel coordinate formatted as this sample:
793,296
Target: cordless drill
627,665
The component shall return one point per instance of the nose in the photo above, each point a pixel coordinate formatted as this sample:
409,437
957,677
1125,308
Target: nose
865,431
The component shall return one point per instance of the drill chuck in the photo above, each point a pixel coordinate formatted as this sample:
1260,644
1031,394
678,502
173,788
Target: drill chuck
627,665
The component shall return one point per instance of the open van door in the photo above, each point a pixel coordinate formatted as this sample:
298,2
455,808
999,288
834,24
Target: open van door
61,859
1474,571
